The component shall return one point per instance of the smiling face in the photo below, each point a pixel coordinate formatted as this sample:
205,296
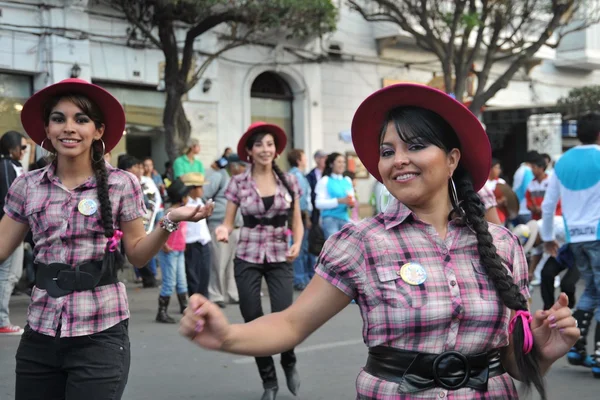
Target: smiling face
413,169
262,148
339,165
72,125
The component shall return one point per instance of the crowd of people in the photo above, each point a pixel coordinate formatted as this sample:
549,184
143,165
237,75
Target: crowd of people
440,272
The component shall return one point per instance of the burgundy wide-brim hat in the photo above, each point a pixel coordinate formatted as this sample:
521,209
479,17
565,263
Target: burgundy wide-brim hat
259,126
32,115
476,154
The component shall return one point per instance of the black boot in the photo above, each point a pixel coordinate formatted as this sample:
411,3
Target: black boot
578,353
182,297
163,305
596,356
270,393
293,379
148,280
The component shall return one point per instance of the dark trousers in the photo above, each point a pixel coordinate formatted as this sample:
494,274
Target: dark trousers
93,367
567,283
197,267
280,281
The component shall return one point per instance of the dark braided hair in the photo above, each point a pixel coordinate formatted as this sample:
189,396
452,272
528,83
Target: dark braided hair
418,125
257,137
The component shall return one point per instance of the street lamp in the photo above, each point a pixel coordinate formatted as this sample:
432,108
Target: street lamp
75,71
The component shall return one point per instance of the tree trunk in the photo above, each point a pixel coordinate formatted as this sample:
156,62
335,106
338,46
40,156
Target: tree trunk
184,128
172,106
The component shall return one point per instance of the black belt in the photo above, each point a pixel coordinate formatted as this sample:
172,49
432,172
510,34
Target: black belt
451,370
277,221
62,279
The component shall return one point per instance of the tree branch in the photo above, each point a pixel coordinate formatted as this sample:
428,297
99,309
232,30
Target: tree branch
136,21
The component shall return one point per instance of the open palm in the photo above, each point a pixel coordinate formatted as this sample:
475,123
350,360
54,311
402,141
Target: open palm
555,330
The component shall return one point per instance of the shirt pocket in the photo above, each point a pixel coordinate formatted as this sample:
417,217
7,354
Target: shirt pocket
397,293
485,286
38,215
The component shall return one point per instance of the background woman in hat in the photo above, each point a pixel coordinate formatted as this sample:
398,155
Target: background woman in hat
269,202
76,343
443,295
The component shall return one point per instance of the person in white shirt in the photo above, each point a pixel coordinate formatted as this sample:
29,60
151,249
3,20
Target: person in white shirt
198,252
576,184
494,177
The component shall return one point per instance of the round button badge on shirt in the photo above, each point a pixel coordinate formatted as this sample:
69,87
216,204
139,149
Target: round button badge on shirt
413,273
87,207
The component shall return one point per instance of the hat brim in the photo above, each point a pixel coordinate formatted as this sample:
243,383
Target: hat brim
370,116
32,115
533,233
277,132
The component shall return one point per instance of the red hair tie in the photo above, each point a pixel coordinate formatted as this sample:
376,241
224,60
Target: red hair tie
113,242
528,339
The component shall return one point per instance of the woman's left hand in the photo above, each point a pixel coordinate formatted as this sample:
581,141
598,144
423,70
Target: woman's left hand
192,214
293,252
555,330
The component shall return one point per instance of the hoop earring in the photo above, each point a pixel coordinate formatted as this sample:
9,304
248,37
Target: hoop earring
103,151
454,198
42,146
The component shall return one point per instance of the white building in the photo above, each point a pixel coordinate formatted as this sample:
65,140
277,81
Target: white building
41,42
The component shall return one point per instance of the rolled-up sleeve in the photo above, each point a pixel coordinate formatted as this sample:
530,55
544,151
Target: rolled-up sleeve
131,201
341,260
16,199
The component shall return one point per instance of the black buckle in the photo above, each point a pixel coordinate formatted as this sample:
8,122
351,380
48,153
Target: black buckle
449,386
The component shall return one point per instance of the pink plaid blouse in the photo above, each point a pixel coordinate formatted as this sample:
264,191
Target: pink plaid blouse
261,243
456,308
63,235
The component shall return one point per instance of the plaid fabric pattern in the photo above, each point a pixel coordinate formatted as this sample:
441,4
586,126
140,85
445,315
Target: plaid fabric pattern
456,308
63,235
488,198
262,243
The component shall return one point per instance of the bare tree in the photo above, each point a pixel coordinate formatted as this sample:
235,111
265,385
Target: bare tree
470,36
238,23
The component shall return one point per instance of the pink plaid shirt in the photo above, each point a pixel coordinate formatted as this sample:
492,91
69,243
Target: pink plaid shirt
261,243
456,308
488,198
63,235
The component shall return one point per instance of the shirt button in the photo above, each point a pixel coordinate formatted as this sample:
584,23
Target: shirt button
442,395
444,251
453,283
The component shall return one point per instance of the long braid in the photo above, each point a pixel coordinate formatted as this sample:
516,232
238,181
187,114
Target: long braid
474,217
102,186
112,260
285,183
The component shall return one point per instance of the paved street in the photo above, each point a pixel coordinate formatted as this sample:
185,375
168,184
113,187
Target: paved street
166,366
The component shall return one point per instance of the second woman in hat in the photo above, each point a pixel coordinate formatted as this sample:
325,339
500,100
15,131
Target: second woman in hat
270,238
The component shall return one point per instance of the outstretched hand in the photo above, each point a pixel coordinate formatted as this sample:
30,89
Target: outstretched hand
204,323
555,330
191,213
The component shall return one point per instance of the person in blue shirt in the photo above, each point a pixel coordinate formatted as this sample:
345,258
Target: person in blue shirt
304,264
576,184
335,194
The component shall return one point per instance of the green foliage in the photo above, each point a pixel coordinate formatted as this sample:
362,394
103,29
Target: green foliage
580,101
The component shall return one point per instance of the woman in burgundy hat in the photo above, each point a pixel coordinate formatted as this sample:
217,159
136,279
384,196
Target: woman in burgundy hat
270,238
443,295
76,342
